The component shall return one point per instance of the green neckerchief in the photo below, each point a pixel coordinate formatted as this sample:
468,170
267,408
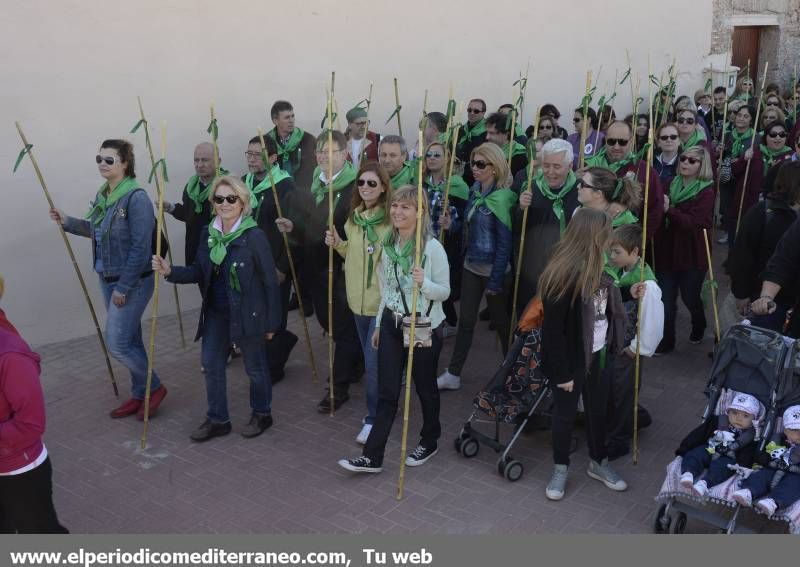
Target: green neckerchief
696,137
291,145
406,175
472,131
196,194
368,224
516,150
556,198
278,175
600,160
678,192
345,177
624,279
218,242
499,201
402,258
737,147
97,212
770,155
623,219
518,131
458,187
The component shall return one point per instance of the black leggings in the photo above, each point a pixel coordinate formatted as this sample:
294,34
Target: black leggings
26,502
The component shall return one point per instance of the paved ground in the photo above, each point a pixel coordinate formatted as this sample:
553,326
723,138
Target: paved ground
287,480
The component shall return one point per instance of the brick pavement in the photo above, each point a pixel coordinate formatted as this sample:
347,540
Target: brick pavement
287,480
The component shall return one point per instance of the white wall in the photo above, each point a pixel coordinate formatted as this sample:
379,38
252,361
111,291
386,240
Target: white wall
72,71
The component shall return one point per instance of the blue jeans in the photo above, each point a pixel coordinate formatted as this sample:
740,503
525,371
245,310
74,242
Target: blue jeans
785,493
124,332
697,459
365,325
214,354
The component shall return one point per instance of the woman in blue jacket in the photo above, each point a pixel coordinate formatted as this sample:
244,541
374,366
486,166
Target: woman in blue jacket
241,304
487,227
121,223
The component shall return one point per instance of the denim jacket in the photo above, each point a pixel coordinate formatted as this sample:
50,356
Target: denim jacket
126,238
488,242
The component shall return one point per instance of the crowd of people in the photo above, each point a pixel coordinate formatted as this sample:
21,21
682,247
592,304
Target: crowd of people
575,203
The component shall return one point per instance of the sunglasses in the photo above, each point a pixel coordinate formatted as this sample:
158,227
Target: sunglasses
581,183
474,111
371,182
480,164
777,134
666,137
773,103
576,120
691,160
433,154
617,141
110,160
219,199
685,120
547,127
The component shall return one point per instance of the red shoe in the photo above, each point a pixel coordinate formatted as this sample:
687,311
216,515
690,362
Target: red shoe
128,408
156,397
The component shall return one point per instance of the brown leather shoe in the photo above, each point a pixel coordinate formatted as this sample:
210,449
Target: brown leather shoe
128,408
156,397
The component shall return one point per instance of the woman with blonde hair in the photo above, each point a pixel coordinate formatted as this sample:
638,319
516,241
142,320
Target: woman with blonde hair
584,322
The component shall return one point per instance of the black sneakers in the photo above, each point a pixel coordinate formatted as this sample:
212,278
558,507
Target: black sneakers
324,406
420,456
210,429
257,425
360,464
696,336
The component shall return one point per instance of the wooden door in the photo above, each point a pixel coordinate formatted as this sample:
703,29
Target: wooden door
745,48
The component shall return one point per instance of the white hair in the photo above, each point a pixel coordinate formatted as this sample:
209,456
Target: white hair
557,146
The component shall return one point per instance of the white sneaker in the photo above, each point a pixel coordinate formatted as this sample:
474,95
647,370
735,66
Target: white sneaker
700,488
687,480
744,497
363,435
449,331
448,381
767,505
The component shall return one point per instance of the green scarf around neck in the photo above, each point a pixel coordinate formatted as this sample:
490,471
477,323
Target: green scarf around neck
696,137
769,156
345,177
623,219
600,159
458,187
97,211
678,192
499,201
403,258
265,184
406,175
291,145
218,242
517,149
624,279
198,195
739,140
368,224
472,131
556,198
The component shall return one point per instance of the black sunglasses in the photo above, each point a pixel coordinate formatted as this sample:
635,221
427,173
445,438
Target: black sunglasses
576,120
219,199
479,164
110,160
617,141
371,182
474,111
433,154
666,137
685,120
691,160
777,134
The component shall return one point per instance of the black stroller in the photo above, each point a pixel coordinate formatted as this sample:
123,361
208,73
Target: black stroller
751,360
512,396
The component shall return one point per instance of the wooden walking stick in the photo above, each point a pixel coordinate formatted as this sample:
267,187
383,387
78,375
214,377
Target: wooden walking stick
331,228
153,163
295,282
412,331
794,89
717,198
213,129
151,352
522,233
446,200
752,145
587,97
397,109
28,149
713,284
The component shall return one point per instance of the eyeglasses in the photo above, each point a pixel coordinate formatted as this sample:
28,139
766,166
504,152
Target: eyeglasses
777,134
475,111
371,182
547,127
480,164
433,154
110,160
773,103
691,160
219,199
252,155
666,137
617,142
582,183
685,121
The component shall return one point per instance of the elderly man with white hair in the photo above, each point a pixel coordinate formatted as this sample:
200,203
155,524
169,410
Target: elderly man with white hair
551,201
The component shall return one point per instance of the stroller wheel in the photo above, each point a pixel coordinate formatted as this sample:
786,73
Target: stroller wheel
662,521
678,523
469,447
512,470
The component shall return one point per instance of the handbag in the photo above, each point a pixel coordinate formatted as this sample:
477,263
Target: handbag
423,332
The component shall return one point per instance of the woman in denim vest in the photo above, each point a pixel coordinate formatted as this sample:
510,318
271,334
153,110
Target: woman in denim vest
120,223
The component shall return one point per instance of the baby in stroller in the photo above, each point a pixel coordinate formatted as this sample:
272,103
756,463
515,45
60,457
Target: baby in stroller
732,440
777,485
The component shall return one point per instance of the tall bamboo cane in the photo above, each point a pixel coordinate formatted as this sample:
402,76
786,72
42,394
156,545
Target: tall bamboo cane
214,131
412,331
330,249
397,108
639,307
719,160
794,89
584,125
446,201
369,103
752,145
28,149
151,351
149,144
713,283
293,272
522,232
